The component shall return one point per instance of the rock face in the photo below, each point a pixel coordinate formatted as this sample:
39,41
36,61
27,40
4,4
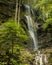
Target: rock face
7,10
45,39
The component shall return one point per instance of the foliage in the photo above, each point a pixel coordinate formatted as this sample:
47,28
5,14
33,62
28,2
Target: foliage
11,36
44,7
48,24
10,30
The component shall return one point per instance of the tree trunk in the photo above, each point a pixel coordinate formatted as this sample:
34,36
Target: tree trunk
19,12
16,11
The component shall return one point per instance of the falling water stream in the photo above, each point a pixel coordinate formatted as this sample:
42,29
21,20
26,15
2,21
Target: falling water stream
33,35
31,31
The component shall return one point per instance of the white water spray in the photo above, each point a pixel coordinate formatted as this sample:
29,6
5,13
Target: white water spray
41,62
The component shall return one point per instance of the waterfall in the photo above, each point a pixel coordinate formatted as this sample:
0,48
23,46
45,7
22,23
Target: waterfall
33,34
31,31
41,62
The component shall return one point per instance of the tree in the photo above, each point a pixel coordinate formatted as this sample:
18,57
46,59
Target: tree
11,36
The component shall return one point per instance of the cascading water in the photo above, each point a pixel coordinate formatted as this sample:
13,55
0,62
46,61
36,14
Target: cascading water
33,35
41,62
31,31
30,28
